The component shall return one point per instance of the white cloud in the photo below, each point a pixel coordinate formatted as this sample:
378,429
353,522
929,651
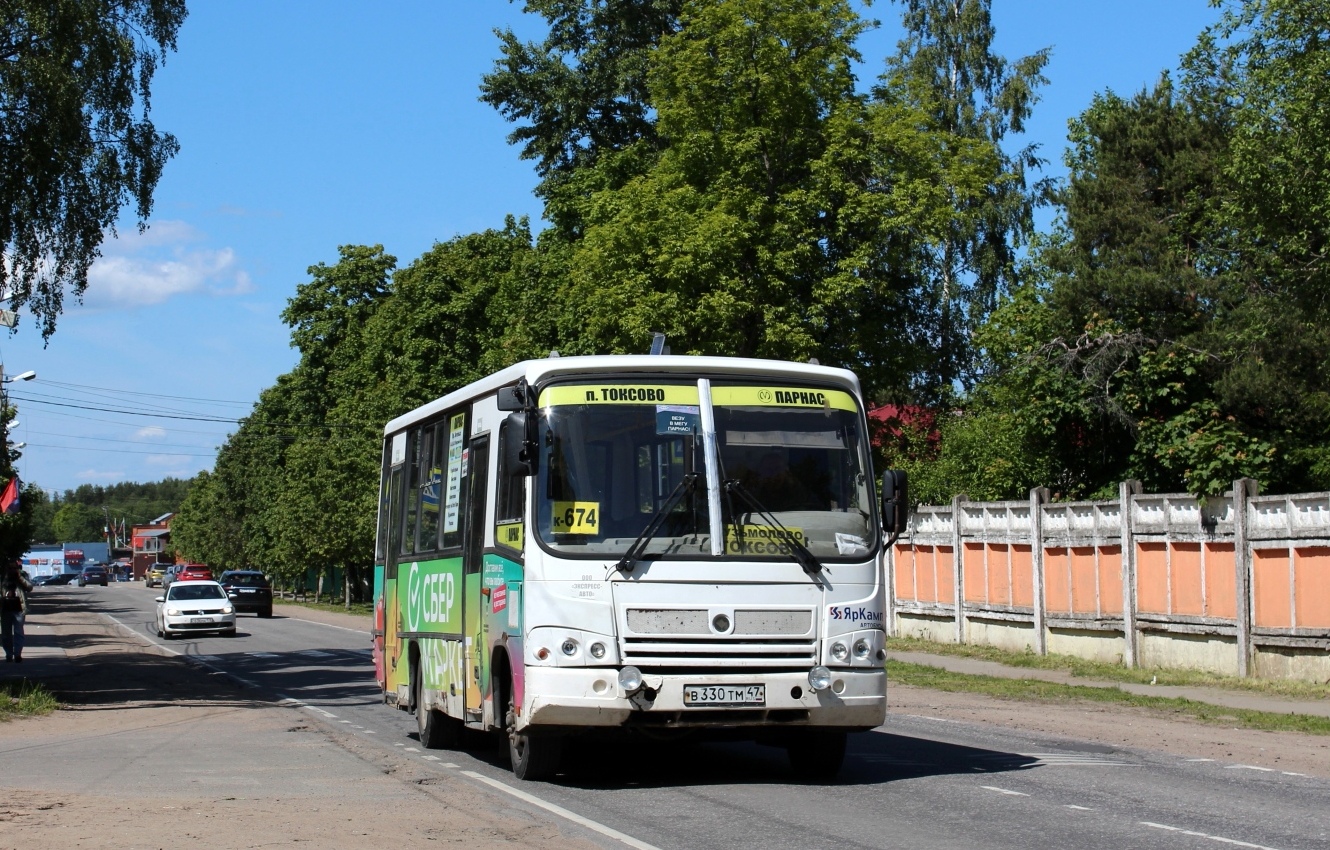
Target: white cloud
163,460
100,475
137,270
152,432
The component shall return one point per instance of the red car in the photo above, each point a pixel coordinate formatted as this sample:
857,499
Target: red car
193,572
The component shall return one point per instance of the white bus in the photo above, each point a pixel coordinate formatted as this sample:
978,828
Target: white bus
642,542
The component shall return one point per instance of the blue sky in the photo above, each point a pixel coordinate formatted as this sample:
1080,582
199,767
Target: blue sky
309,124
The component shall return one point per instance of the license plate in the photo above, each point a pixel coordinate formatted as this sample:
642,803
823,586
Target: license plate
724,694
200,619
246,590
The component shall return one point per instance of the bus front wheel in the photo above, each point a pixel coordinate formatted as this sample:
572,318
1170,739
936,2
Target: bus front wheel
532,757
817,754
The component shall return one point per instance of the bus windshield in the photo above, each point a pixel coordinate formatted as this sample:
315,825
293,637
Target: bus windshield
615,456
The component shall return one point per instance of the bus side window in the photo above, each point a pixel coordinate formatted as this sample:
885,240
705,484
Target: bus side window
413,451
473,511
381,537
427,494
510,503
395,510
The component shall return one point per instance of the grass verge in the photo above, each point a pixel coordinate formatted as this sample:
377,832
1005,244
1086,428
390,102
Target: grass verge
359,609
1085,669
935,678
21,698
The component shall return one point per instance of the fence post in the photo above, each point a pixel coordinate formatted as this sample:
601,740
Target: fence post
1243,489
1038,496
958,565
1126,490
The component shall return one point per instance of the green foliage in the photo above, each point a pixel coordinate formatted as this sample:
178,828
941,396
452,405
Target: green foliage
1178,334
947,71
582,92
25,698
74,101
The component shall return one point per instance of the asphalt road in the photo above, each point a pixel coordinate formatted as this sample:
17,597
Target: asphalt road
916,782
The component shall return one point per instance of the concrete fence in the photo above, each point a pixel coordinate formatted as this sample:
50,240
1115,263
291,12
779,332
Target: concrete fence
1237,586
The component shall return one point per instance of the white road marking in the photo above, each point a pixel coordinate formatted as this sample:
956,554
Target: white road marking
1200,759
1003,791
430,758
1069,759
1080,808
1249,767
562,812
1218,838
934,719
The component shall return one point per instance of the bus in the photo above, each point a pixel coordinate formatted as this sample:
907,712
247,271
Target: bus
656,544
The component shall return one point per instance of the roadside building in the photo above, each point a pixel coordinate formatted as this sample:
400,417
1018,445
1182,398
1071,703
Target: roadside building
152,545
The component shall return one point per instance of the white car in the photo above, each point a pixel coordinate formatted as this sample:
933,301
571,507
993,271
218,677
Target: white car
195,606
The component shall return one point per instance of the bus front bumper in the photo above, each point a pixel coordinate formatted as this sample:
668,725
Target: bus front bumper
564,697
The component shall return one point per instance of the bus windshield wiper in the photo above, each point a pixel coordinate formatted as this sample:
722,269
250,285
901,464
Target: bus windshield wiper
639,547
798,550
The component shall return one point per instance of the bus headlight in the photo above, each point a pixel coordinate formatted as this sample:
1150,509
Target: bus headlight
839,651
862,648
819,678
598,650
630,679
569,647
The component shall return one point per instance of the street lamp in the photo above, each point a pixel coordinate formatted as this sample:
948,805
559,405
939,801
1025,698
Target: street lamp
21,376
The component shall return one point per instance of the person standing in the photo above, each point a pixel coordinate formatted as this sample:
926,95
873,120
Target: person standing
14,590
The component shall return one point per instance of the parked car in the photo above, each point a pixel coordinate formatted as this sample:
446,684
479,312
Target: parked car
153,578
248,590
92,574
194,606
57,579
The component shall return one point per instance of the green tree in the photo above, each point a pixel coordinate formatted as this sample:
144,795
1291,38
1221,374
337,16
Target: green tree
78,523
945,68
78,144
582,92
770,222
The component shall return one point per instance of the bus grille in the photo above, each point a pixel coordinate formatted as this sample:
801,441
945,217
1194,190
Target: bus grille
683,637
712,652
693,621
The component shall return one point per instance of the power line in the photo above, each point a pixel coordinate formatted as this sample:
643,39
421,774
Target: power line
94,390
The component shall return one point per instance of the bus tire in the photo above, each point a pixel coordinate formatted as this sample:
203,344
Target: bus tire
533,758
437,730
817,754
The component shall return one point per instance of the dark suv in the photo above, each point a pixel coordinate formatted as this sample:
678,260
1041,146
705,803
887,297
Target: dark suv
248,590
93,574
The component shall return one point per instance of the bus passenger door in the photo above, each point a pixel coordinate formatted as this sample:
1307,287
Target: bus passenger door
473,557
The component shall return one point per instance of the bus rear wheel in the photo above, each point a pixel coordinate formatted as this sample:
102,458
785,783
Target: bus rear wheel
437,730
817,754
533,758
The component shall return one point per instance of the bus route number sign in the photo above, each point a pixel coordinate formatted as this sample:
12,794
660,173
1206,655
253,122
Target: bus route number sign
575,518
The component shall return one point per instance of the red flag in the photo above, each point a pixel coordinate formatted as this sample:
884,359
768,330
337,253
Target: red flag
9,498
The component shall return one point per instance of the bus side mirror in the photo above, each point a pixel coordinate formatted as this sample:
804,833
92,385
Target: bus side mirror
513,398
895,501
519,457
